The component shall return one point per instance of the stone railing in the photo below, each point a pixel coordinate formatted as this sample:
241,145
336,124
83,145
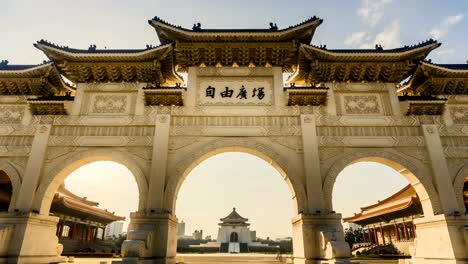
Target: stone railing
403,246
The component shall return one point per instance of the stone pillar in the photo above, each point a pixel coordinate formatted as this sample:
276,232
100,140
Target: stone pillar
159,164
319,239
29,238
441,240
33,168
440,171
152,238
315,200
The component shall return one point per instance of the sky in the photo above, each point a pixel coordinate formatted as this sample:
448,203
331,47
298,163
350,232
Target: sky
229,180
123,24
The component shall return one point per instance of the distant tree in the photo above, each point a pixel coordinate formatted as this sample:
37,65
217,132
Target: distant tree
353,236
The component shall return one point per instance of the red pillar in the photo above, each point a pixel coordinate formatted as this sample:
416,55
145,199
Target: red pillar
397,234
413,227
376,237
73,233
58,228
103,232
87,232
383,235
95,233
406,231
363,235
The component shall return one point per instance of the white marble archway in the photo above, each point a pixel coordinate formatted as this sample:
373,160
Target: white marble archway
415,172
59,169
15,177
281,163
458,183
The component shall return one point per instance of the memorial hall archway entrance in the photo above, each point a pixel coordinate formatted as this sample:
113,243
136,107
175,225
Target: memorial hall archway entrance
336,108
248,180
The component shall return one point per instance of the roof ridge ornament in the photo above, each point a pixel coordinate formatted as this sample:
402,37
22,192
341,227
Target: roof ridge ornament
197,27
273,27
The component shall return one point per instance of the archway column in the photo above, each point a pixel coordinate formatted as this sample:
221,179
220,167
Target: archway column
159,163
440,171
319,239
33,169
441,239
30,238
315,198
152,238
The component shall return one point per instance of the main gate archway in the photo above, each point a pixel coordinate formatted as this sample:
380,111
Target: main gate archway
132,107
284,165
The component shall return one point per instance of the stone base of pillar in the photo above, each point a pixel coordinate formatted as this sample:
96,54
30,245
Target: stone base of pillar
441,239
29,238
319,239
151,239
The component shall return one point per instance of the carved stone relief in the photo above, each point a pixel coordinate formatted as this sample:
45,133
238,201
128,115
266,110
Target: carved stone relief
459,114
11,113
359,87
362,104
109,104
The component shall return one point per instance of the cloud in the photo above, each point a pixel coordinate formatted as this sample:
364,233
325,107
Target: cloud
444,52
441,29
389,38
372,11
356,39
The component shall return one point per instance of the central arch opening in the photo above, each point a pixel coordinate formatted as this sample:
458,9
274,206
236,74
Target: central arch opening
258,190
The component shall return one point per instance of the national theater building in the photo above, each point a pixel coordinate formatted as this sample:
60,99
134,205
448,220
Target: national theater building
337,107
391,220
81,223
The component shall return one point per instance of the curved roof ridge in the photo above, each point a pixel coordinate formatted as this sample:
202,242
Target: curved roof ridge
160,20
449,66
6,66
378,48
234,217
406,188
93,48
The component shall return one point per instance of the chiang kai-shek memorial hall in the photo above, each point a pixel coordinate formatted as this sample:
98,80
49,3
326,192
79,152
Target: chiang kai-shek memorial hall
338,107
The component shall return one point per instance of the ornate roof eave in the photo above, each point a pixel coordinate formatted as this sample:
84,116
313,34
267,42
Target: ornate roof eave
412,201
437,79
164,96
306,96
318,64
154,64
86,209
45,75
62,190
302,32
52,105
63,53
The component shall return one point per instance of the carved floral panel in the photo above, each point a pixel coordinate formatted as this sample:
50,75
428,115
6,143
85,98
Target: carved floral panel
11,113
107,103
459,114
362,104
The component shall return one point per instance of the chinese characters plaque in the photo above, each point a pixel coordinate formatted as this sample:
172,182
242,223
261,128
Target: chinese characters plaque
235,91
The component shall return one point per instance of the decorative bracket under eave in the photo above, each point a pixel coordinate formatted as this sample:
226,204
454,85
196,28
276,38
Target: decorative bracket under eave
306,96
422,105
56,105
164,96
